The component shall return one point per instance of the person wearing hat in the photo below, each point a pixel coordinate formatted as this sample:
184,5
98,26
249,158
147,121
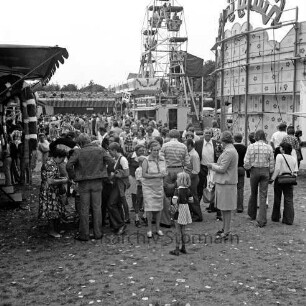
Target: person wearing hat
226,179
278,137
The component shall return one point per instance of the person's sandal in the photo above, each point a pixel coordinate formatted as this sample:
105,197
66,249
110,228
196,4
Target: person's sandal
223,236
175,252
137,223
149,234
220,232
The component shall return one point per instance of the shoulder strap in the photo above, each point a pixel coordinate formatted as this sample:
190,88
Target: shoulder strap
287,163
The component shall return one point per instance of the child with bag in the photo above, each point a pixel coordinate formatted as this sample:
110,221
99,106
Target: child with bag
180,209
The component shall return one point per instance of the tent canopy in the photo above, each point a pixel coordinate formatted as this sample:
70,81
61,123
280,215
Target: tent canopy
31,62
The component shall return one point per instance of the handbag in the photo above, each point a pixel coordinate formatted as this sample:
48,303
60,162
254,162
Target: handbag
287,178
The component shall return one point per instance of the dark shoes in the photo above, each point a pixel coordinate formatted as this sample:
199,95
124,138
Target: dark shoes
145,221
165,225
219,218
197,220
121,230
175,252
211,209
127,221
239,211
257,224
183,250
78,238
137,223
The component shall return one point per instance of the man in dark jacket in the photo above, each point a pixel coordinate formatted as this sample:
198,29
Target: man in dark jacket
87,167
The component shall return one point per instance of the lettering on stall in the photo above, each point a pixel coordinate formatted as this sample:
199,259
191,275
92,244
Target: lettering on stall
263,7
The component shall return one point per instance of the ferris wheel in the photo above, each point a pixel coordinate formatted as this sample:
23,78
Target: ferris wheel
164,44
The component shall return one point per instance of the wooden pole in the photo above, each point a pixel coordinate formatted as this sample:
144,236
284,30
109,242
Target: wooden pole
296,28
246,123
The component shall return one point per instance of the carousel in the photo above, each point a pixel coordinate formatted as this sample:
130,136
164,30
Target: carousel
21,69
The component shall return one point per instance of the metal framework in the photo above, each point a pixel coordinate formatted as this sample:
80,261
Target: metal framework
246,65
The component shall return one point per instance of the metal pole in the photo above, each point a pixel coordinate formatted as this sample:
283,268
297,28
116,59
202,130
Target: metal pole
246,123
202,97
296,28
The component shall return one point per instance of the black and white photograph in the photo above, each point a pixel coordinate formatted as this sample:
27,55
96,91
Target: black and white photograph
153,152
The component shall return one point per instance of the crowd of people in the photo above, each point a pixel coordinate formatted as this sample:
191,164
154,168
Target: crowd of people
97,159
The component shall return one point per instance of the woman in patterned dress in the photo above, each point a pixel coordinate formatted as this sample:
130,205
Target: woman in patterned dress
153,172
50,206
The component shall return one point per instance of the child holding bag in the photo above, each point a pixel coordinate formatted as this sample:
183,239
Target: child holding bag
180,208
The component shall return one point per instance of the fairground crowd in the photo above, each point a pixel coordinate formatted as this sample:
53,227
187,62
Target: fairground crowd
97,159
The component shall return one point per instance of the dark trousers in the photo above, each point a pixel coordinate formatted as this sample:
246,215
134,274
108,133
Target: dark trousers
259,179
202,181
107,188
90,195
194,207
240,188
115,208
288,213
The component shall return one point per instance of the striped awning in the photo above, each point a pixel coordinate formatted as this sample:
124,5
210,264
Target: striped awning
31,62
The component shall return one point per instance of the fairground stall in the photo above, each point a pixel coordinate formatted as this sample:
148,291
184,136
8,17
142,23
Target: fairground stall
260,78
21,68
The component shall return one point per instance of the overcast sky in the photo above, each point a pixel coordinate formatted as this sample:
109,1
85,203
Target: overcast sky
103,37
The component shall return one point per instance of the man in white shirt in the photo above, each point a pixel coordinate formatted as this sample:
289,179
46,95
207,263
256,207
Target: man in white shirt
208,153
277,138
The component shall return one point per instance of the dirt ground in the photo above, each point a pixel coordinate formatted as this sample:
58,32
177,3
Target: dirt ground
259,266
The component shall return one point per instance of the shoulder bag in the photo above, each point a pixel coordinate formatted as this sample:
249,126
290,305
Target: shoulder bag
287,178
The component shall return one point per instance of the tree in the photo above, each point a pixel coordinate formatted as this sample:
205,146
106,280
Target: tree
209,80
92,87
49,87
69,87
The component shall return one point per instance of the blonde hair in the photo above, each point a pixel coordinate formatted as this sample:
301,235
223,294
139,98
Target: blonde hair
183,179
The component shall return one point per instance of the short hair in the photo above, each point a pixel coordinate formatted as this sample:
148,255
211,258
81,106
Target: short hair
215,124
149,129
290,130
153,143
58,153
260,135
102,129
115,124
70,135
287,147
191,129
189,134
164,131
252,137
183,179
114,146
83,139
159,140
190,142
282,127
139,147
174,134
142,130
238,137
226,137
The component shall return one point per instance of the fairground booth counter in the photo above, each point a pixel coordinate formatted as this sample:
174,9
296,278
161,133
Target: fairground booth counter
21,69
261,71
